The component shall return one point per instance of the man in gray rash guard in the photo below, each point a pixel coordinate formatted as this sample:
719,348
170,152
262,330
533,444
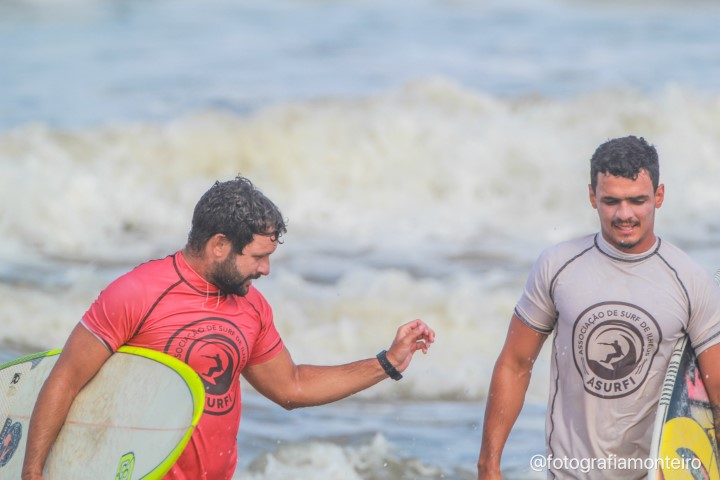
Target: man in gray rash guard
617,302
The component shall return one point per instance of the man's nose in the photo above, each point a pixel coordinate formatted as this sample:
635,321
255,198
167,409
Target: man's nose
624,211
264,267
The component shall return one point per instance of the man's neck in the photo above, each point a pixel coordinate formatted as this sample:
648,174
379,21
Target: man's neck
195,261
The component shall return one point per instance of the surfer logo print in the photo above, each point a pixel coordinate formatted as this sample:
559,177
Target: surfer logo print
217,350
614,345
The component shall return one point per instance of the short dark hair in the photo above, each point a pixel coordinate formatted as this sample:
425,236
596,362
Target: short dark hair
625,157
236,209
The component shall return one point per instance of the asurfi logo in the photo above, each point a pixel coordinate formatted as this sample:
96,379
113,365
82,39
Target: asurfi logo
614,346
216,350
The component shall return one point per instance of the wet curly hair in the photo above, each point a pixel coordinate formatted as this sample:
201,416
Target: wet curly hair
238,210
625,157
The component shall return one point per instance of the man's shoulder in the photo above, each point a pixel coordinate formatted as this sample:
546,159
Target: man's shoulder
569,249
155,264
557,257
257,301
667,248
584,242
146,274
680,261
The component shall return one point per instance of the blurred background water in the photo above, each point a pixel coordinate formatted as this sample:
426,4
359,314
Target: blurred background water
424,152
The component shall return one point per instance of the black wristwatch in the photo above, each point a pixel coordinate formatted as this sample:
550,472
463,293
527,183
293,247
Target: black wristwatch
387,366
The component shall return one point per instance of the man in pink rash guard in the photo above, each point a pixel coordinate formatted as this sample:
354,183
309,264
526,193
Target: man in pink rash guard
199,305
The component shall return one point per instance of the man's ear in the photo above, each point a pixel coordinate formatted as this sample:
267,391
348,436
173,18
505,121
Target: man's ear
218,246
591,193
659,195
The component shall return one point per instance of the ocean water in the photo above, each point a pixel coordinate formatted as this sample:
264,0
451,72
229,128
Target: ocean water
423,152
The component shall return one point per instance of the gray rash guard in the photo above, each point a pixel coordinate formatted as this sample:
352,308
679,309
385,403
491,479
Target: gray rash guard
616,318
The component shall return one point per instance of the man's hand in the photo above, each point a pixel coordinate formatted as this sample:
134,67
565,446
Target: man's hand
27,476
488,474
410,338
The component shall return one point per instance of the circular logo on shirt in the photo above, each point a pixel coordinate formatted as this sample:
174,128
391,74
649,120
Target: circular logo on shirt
216,350
614,346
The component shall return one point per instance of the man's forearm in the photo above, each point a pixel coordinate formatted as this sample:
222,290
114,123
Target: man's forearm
716,422
48,417
318,385
505,400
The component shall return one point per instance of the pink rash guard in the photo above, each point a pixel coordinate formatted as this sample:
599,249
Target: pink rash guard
164,305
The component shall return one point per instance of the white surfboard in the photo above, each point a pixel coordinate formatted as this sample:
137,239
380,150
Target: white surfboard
131,421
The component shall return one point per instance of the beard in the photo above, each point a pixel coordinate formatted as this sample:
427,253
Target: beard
627,243
228,279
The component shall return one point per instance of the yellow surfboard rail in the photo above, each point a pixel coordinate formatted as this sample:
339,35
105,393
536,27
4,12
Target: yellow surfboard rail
30,357
197,390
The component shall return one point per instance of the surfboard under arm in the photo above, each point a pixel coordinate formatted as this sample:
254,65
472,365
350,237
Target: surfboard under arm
684,442
131,421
